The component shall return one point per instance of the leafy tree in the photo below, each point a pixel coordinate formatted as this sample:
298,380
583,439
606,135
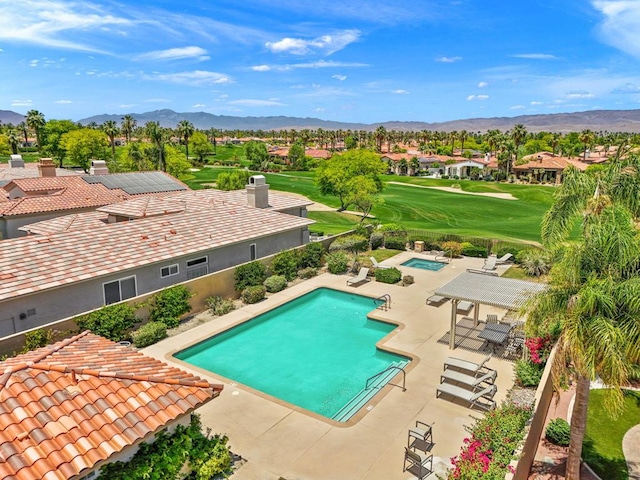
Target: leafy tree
176,164
256,153
345,175
363,195
5,145
84,144
201,146
297,157
52,138
235,180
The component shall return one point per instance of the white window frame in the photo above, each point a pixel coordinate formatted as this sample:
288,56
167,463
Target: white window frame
253,251
177,266
119,280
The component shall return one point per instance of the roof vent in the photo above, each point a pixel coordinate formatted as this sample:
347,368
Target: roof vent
98,167
258,192
47,168
16,161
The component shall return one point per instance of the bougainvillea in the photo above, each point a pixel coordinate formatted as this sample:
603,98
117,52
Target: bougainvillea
539,348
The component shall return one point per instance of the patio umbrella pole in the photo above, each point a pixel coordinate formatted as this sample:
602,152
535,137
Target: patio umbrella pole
454,317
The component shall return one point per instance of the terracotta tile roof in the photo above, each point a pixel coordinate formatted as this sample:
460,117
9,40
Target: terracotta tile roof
317,153
548,161
30,170
144,207
34,263
66,223
68,406
43,184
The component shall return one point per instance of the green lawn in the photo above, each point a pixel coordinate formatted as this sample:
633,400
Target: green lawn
602,448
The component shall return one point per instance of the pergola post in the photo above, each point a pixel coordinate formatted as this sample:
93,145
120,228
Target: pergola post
476,314
454,317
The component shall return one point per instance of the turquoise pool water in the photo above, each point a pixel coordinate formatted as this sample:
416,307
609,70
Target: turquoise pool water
316,351
424,264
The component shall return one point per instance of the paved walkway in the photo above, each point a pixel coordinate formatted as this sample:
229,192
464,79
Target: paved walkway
631,450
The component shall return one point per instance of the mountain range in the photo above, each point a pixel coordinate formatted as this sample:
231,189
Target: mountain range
596,120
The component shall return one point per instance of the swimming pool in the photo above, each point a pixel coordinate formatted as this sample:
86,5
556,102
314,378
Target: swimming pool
424,264
316,352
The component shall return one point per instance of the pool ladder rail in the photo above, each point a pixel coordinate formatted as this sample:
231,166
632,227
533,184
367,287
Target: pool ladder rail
443,256
385,302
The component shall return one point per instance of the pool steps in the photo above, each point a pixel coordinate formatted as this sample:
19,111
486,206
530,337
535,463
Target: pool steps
367,393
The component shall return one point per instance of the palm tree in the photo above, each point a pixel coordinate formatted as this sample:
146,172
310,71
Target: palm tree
380,135
518,135
185,130
555,140
35,120
157,136
110,127
414,163
128,125
14,140
587,137
463,136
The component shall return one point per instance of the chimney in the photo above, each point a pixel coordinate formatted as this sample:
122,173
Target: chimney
258,192
98,167
16,161
47,167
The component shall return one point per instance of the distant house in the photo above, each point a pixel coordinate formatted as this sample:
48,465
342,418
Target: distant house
70,265
69,408
545,167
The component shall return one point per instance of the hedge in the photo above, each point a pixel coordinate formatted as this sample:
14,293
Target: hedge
275,283
253,294
249,275
148,334
388,275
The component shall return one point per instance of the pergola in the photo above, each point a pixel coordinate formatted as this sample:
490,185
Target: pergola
478,288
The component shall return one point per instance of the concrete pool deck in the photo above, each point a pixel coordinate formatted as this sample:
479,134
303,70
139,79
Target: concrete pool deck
281,441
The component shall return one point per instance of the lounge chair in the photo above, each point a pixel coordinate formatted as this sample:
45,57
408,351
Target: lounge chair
506,258
375,264
360,278
437,300
419,465
464,307
483,272
490,263
469,380
474,398
465,364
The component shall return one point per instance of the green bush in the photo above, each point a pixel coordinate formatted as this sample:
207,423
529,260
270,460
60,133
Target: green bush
169,305
311,256
376,240
219,305
511,249
285,264
395,242
528,374
350,243
275,283
452,246
408,280
249,275
473,251
337,262
388,275
148,334
253,294
450,237
558,432
308,272
36,339
534,262
110,322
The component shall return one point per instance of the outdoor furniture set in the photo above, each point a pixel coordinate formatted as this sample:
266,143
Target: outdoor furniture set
469,381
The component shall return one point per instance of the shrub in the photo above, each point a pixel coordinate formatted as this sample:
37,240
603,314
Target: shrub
394,229
253,294
454,247
558,432
275,283
350,243
444,177
388,275
148,334
450,237
249,275
219,305
311,256
337,262
539,348
285,264
535,262
395,242
376,240
168,305
36,339
110,322
512,250
473,251
308,272
528,374
408,280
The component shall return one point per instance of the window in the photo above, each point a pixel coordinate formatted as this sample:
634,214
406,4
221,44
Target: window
197,267
252,248
119,290
169,271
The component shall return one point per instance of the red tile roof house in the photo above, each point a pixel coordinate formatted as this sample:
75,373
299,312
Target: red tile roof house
71,266
69,408
545,167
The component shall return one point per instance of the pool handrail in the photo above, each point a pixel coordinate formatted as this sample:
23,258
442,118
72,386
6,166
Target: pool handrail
390,367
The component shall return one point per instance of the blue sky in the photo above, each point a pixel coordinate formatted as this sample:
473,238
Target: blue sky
357,61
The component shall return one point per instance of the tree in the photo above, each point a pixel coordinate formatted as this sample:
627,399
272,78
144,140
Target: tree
185,130
176,164
35,120
14,140
256,153
127,126
363,195
235,180
297,157
84,144
201,146
52,135
5,145
587,137
111,129
518,135
339,175
157,135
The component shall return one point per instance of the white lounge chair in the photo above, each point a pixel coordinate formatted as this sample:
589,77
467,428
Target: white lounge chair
464,307
360,278
470,380
506,258
375,264
465,364
437,300
490,263
475,399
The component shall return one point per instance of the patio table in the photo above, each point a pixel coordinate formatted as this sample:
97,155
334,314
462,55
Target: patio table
495,334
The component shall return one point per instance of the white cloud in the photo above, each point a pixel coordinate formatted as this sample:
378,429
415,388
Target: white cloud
620,25
21,103
326,44
127,105
516,107
448,59
247,102
342,78
192,52
157,100
198,105
534,102
477,97
33,63
223,95
315,64
627,88
195,78
535,56
482,84
261,68
400,92
63,102
580,94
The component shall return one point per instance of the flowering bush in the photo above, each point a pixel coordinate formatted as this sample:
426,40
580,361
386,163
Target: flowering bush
539,348
486,453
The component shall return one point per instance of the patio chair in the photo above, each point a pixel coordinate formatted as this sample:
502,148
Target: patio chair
465,364
469,380
360,278
515,345
419,465
437,300
420,437
475,399
492,318
375,264
490,263
506,258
